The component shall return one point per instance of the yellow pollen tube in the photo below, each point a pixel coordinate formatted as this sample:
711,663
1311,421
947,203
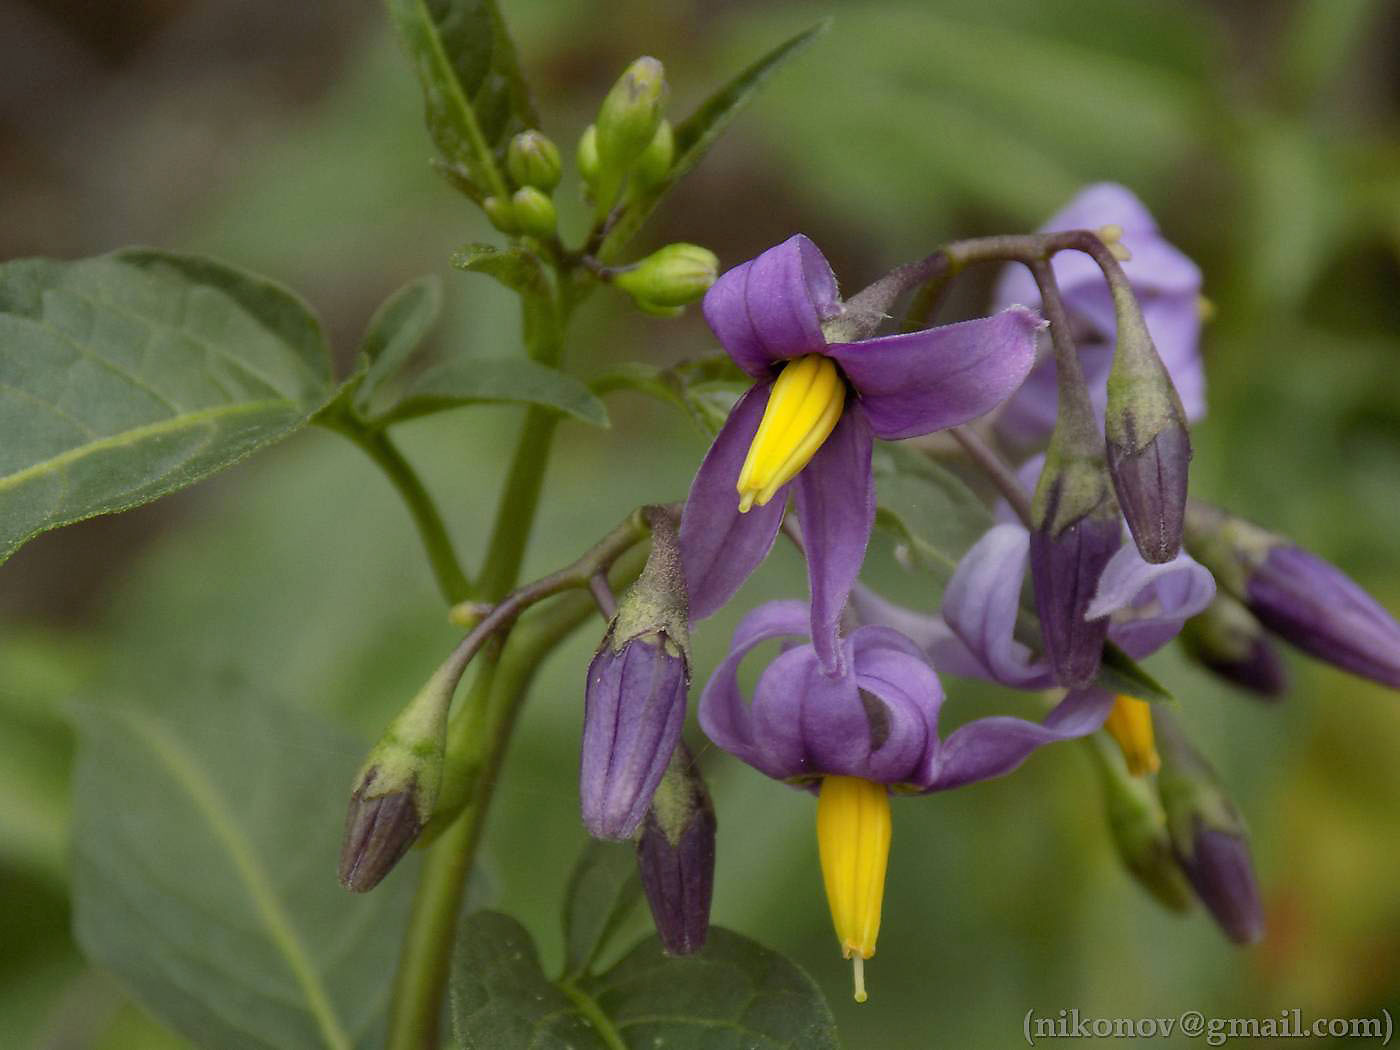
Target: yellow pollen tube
804,407
1130,723
853,839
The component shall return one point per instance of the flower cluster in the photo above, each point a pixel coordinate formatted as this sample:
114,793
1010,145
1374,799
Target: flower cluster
849,707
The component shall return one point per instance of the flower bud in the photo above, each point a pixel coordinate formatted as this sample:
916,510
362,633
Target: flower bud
534,212
673,276
1228,641
1208,835
655,162
1149,447
634,703
1075,530
501,214
1139,827
397,787
1305,600
676,856
587,156
533,160
627,122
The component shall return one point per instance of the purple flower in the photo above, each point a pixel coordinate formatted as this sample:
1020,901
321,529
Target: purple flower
1168,287
878,722
977,637
634,709
808,423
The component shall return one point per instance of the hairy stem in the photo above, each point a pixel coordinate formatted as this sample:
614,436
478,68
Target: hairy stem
998,471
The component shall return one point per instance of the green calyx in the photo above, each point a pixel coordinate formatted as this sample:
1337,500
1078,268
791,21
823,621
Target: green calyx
409,756
1230,547
655,609
1072,488
681,796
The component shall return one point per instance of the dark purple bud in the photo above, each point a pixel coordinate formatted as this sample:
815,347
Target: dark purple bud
1075,531
1312,604
1227,640
676,856
1219,869
378,831
634,702
1149,447
1208,835
1305,600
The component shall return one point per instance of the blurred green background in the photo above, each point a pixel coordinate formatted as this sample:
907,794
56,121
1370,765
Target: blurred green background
288,139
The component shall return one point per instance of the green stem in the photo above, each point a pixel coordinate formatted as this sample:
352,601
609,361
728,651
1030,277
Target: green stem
516,514
447,570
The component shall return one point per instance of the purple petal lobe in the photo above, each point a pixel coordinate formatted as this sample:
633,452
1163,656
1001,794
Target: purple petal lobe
992,747
925,381
1312,604
634,709
772,307
1147,604
719,546
835,499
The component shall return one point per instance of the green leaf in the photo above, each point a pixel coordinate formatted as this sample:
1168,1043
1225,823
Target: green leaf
469,381
930,512
397,328
1120,673
473,92
687,385
698,132
205,848
517,269
128,376
733,995
603,890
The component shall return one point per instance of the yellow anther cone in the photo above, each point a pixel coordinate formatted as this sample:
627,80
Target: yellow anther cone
803,408
1130,723
853,839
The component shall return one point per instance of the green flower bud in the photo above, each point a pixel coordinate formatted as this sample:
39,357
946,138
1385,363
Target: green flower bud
533,160
396,788
627,122
587,156
674,276
501,214
655,162
534,212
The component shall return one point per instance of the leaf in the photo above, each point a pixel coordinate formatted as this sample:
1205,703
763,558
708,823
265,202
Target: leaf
603,890
688,385
517,269
698,132
204,872
128,376
473,92
930,512
397,328
467,381
733,995
1120,673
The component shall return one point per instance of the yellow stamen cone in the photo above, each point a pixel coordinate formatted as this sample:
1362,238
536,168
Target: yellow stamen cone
853,839
1130,723
804,407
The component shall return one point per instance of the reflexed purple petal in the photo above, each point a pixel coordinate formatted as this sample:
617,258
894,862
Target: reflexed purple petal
719,546
920,382
771,307
807,723
1147,604
980,605
933,637
1314,605
835,499
902,696
992,747
1220,871
634,709
724,715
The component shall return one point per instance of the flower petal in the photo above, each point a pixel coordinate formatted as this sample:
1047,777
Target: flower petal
920,382
992,747
891,670
1148,603
981,602
807,723
724,715
835,498
772,307
719,546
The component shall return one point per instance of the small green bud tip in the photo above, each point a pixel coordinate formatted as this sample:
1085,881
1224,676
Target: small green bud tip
587,155
631,113
501,214
533,160
676,275
379,829
655,162
534,212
